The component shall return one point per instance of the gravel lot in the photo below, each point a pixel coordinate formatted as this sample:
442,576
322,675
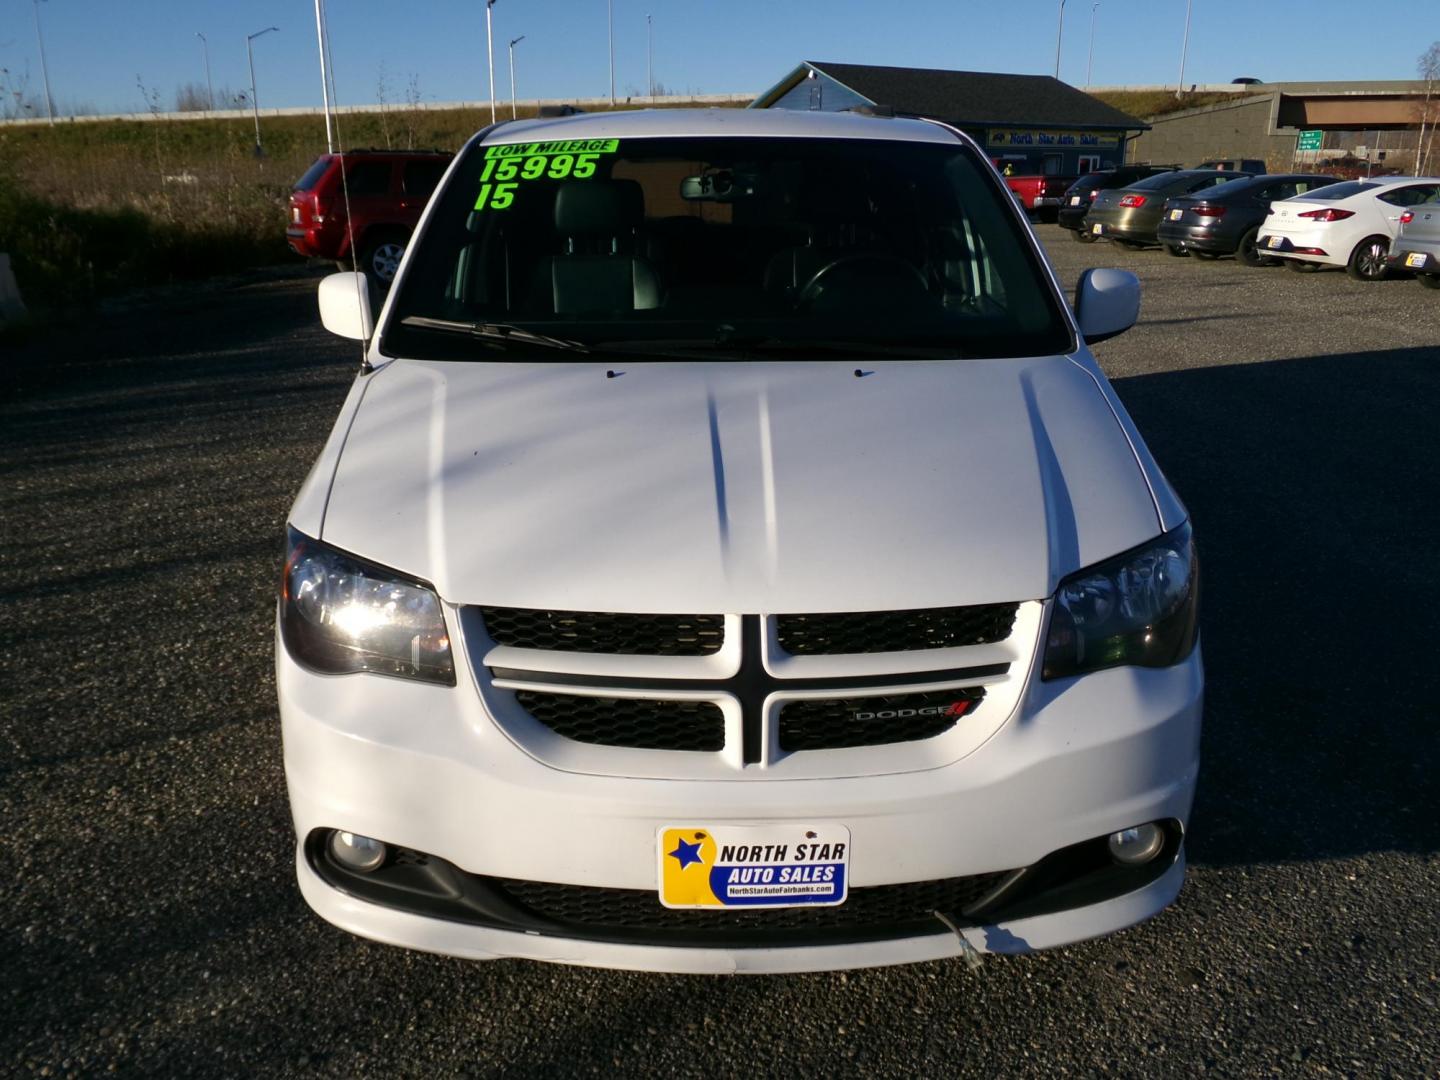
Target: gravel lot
149,921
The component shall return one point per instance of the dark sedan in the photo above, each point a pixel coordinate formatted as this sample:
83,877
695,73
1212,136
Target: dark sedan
1130,215
1227,219
1078,196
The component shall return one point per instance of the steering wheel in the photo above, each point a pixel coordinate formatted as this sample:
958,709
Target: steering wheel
860,267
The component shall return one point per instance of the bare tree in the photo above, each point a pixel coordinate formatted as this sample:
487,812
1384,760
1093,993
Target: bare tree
15,100
1428,67
412,111
382,97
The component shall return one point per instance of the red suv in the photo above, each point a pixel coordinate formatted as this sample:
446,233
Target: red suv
388,189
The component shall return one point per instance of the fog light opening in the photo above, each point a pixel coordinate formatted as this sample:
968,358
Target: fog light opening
1138,845
359,852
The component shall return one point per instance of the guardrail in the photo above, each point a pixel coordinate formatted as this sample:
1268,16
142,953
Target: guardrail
423,106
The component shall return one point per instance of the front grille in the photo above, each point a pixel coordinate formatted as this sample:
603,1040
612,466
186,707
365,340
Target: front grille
882,909
633,722
895,631
833,724
605,632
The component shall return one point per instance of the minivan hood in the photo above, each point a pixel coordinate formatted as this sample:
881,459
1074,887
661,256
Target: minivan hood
737,487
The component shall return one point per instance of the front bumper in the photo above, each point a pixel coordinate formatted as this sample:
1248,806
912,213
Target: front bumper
424,767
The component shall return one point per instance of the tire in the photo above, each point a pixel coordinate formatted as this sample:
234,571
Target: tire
1430,281
1177,252
1083,237
1248,253
1300,266
380,257
1367,261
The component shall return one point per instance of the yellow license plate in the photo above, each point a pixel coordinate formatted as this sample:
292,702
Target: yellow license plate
1415,258
1176,215
1276,241
1096,228
753,866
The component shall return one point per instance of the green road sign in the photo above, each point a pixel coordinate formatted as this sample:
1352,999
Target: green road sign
1310,140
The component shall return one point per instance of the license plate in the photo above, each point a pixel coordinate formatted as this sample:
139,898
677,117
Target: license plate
1415,258
1075,200
1276,241
295,214
735,866
1096,228
1176,215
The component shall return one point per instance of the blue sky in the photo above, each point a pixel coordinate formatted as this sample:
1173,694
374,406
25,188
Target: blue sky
96,48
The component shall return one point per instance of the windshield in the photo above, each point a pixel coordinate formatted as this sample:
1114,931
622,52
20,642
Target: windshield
1342,190
732,246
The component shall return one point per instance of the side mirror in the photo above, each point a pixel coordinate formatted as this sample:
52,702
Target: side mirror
1107,303
345,305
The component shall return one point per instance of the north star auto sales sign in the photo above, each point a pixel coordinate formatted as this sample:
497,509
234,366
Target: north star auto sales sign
1035,137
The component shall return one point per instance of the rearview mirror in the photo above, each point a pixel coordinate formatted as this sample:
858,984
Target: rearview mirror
345,305
1107,303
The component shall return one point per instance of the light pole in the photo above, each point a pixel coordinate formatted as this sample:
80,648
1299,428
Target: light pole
650,56
610,16
514,114
209,86
324,76
1184,48
1090,63
45,71
254,98
490,54
1059,32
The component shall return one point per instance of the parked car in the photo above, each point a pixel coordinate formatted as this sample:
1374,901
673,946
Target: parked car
1253,166
387,190
1226,220
1039,195
1075,203
1131,215
688,550
1348,224
1417,244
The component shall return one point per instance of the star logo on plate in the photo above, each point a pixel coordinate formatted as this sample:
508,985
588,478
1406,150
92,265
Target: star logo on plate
686,853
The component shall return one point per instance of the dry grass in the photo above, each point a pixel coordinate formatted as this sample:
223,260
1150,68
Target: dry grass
1145,104
90,208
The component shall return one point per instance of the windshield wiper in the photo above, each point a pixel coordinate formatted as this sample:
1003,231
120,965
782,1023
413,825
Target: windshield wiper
497,332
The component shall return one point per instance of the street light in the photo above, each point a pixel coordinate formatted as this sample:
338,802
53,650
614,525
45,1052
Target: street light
650,56
1090,63
1184,48
514,115
1059,31
324,75
209,86
254,98
610,15
45,71
490,54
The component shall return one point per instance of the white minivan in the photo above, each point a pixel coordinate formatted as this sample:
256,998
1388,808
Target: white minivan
730,557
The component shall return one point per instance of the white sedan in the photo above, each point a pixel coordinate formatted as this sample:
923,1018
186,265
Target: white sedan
1348,224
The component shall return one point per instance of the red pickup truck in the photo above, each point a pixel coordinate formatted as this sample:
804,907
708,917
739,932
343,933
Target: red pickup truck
1040,195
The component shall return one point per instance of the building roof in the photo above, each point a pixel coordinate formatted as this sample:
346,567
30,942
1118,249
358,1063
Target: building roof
967,97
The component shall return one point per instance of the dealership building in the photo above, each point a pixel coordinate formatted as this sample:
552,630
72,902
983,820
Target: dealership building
1033,123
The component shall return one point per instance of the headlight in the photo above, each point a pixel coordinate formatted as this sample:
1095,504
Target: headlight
339,614
1137,608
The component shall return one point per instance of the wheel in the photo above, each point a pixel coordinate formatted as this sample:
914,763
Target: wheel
1430,281
1204,254
1248,253
1178,252
1083,236
380,257
1367,261
1300,266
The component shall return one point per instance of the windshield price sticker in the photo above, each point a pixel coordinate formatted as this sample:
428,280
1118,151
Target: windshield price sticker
732,866
509,165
